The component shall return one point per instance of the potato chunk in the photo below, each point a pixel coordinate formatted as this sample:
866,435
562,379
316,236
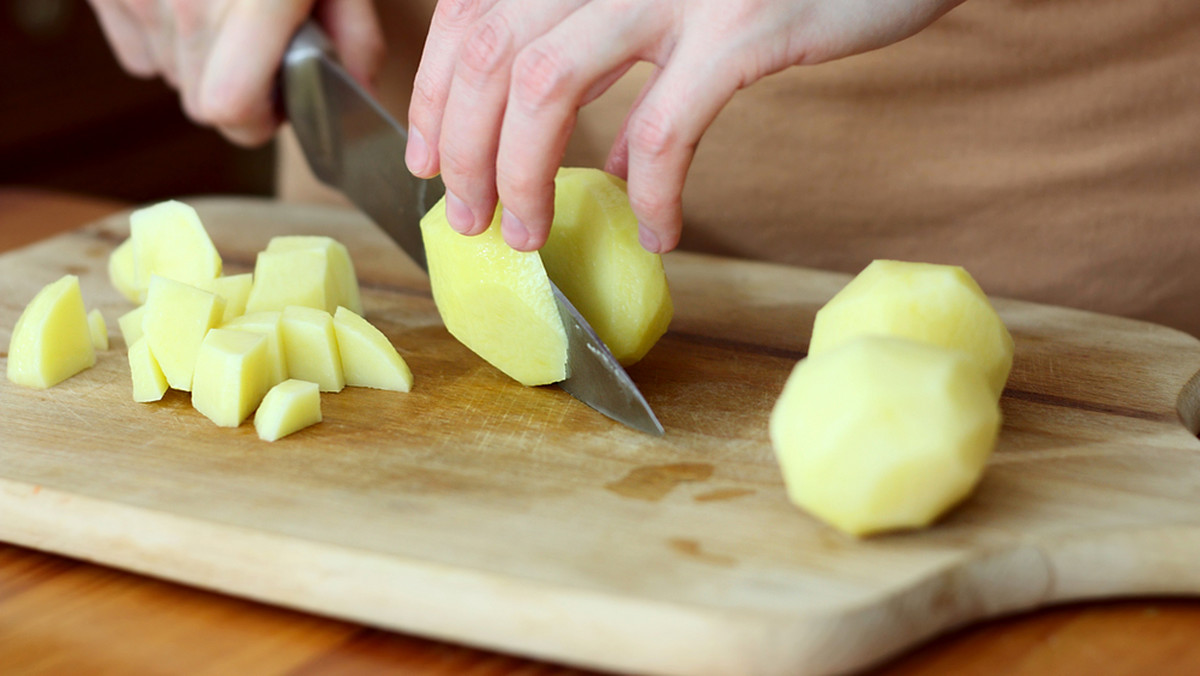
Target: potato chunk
594,257
122,275
269,324
177,318
368,357
883,433
234,289
936,304
130,324
231,375
52,340
288,407
341,268
310,343
149,383
495,300
98,329
311,272
170,241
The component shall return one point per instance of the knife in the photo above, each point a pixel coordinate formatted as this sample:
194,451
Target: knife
353,144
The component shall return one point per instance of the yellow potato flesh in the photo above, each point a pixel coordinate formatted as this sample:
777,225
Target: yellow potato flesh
269,324
936,304
368,357
231,375
883,433
98,330
177,318
234,289
149,383
122,275
170,241
341,267
594,257
130,324
283,278
51,340
495,300
310,345
288,407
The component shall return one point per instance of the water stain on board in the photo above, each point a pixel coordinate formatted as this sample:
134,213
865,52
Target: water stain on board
693,549
76,269
653,482
720,494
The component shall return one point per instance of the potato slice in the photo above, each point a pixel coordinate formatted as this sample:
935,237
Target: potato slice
231,375
495,300
177,318
883,433
170,241
98,330
936,304
149,383
310,343
368,357
341,267
269,324
131,325
235,289
51,340
288,407
595,258
122,275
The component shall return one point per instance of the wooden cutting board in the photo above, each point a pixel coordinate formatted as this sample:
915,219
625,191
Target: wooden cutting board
475,510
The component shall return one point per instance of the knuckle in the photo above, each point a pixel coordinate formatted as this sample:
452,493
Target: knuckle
518,184
425,98
489,46
649,207
541,74
652,133
456,12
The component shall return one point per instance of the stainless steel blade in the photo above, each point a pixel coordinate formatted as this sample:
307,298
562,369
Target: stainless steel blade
354,145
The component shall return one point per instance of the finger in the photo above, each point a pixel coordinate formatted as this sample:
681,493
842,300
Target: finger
551,78
353,27
617,162
126,37
159,30
235,88
474,111
451,21
662,134
194,23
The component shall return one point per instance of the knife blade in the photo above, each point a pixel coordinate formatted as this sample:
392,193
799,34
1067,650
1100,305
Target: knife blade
353,144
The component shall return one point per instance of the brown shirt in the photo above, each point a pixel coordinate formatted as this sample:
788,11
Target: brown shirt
1052,147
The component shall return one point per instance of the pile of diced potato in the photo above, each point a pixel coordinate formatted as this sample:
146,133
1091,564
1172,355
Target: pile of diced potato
267,341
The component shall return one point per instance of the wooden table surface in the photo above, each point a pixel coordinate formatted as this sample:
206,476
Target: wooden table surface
62,616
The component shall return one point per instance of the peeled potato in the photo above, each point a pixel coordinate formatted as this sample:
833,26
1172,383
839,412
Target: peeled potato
936,304
368,357
177,317
52,340
170,241
883,433
231,375
288,407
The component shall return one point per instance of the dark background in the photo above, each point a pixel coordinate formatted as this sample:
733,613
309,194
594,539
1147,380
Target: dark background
71,119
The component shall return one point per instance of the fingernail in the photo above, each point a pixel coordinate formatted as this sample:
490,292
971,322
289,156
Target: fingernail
514,231
416,153
649,240
459,214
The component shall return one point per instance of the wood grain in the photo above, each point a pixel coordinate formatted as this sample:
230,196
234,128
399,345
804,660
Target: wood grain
706,338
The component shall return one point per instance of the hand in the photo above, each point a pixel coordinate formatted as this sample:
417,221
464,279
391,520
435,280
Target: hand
223,55
501,81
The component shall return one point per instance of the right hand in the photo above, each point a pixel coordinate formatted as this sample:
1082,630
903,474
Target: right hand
222,56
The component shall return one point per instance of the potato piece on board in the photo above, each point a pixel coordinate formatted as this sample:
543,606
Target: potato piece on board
131,325
495,300
170,241
149,383
122,274
269,324
368,358
883,433
177,318
310,343
51,340
936,304
231,375
288,407
341,268
98,329
234,289
595,258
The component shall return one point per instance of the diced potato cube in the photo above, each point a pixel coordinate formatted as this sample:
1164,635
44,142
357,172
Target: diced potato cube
269,324
883,433
310,343
131,325
149,383
341,267
368,357
288,407
235,289
52,340
170,241
231,375
177,318
122,274
98,329
496,301
306,271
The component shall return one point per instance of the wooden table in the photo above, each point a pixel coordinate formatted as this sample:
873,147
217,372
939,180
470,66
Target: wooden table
61,616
